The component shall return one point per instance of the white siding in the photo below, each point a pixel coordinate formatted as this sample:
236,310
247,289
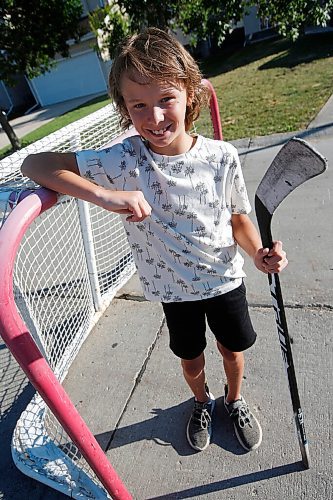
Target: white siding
77,76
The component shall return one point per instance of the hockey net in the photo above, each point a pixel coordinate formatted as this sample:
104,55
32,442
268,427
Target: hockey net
60,298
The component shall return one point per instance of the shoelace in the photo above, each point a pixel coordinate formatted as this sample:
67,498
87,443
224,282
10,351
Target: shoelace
242,413
201,415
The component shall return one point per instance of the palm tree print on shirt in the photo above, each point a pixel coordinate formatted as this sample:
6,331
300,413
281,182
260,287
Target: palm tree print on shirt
167,206
154,291
194,291
149,169
171,183
145,282
200,232
177,167
128,149
157,275
172,223
156,186
88,175
170,270
215,205
203,191
189,171
181,250
176,256
208,289
182,284
167,293
150,261
138,250
182,206
92,163
192,216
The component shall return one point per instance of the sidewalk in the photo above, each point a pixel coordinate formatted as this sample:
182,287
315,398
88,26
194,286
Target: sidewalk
140,403
142,427
28,123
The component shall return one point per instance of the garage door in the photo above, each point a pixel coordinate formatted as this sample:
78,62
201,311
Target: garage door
77,76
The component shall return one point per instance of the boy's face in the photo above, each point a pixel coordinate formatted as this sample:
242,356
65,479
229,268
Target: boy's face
157,111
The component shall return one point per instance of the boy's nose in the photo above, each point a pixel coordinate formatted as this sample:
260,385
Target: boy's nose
157,115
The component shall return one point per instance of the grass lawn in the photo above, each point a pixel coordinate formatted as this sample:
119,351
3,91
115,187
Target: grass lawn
268,87
273,86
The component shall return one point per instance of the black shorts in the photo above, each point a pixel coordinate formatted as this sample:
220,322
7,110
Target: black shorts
227,316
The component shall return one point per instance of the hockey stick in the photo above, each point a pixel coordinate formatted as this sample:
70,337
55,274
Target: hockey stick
295,163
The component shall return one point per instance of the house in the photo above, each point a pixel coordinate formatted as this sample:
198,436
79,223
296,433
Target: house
17,98
256,28
82,74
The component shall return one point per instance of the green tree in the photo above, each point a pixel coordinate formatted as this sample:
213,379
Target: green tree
198,18
151,13
110,24
31,34
202,19
292,16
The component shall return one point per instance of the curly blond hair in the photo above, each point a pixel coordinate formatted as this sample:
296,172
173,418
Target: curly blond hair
158,56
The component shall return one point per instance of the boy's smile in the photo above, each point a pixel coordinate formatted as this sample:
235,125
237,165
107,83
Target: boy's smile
157,111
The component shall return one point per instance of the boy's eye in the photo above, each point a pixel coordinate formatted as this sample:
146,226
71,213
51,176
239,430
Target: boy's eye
139,105
167,98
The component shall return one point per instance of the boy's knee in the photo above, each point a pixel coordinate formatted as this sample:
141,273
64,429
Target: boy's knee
230,356
192,368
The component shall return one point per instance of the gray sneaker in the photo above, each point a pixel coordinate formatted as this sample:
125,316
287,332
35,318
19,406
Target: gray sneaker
247,427
199,427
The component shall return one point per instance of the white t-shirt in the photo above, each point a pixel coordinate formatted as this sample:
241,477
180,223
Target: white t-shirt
185,250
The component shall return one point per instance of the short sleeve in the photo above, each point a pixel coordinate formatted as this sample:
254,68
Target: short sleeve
102,167
90,165
239,198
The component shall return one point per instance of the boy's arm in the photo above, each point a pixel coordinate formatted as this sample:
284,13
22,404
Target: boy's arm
247,236
59,172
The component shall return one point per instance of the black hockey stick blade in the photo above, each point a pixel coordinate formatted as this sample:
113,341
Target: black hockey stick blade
296,162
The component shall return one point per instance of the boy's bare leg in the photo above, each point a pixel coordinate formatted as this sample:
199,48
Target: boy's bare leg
233,363
194,373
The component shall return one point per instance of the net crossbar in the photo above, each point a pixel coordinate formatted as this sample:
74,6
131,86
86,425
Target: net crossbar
50,301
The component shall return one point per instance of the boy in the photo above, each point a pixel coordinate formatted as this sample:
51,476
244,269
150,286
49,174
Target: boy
186,210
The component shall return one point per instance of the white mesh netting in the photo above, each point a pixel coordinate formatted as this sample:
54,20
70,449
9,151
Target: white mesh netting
60,298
